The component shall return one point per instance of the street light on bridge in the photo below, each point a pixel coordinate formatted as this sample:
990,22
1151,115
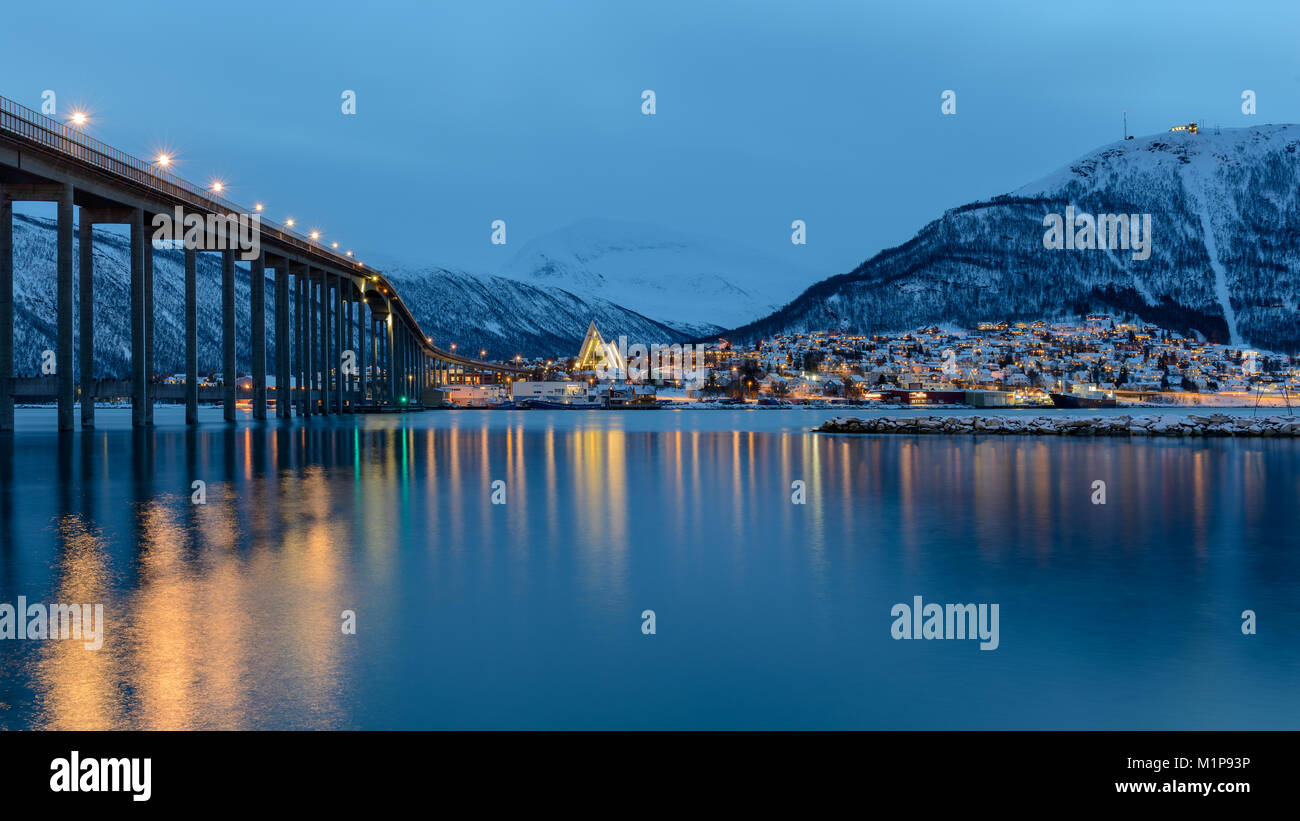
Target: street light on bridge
79,118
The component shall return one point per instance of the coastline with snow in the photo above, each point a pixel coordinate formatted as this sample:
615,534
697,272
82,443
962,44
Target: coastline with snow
1216,424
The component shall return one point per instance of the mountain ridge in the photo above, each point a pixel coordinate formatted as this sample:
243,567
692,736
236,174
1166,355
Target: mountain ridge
1226,253
477,312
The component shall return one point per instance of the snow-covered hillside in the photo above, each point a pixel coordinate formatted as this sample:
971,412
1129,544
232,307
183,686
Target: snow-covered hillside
501,315
507,317
695,283
35,315
1225,255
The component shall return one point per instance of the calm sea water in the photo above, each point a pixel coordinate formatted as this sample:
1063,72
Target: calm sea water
528,614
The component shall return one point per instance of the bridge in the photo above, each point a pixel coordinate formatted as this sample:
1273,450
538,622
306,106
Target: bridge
327,304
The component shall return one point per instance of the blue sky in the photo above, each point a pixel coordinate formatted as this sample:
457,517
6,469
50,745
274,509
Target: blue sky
530,112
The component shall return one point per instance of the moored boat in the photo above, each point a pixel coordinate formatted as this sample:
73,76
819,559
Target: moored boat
1074,400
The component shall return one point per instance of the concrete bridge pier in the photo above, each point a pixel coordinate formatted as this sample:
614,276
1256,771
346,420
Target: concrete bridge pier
399,364
299,340
362,358
6,311
390,373
149,371
63,355
229,377
351,346
257,306
191,337
282,380
86,317
326,351
137,318
311,352
338,346
378,377
325,358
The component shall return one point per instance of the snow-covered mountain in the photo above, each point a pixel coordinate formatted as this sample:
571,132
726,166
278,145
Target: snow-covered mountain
501,315
507,317
695,283
1224,261
35,329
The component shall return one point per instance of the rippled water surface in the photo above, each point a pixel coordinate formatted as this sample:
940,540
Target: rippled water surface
528,614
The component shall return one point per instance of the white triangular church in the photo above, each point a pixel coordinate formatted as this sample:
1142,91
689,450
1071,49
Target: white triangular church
596,353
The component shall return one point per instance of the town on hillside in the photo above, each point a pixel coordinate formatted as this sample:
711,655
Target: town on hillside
1096,362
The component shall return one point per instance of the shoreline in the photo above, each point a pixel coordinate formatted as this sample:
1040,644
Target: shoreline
1191,425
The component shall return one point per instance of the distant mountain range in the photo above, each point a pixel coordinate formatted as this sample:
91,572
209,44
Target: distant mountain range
504,316
1224,263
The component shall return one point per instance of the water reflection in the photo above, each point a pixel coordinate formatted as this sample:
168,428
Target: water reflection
227,614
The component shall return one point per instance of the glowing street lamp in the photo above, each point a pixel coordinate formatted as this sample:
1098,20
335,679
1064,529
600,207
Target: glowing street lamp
218,186
164,160
79,118
315,234
258,207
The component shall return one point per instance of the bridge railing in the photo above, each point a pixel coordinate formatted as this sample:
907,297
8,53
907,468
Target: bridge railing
37,128
66,140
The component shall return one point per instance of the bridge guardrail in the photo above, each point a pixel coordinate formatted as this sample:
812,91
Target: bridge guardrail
32,126
35,127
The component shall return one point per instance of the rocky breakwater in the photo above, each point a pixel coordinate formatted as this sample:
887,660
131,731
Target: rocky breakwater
1215,424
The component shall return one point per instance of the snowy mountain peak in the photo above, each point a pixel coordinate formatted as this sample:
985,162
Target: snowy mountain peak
1224,257
692,282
